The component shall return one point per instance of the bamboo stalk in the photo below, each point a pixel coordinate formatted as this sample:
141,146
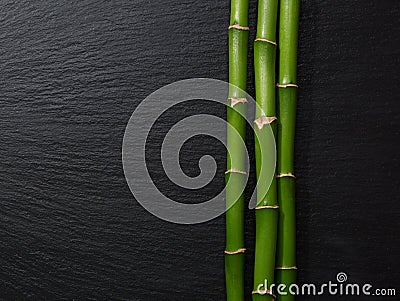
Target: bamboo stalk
287,97
234,252
267,209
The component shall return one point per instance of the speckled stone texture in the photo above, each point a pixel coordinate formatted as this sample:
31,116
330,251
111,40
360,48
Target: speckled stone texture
71,74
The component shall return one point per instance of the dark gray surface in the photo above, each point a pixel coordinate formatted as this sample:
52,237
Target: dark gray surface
73,72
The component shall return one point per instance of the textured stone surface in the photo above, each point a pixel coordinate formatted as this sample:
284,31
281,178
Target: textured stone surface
72,72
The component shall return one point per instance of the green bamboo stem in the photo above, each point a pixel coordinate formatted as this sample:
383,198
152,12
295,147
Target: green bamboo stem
234,252
287,97
266,217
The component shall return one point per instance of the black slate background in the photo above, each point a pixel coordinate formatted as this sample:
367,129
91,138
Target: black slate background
71,74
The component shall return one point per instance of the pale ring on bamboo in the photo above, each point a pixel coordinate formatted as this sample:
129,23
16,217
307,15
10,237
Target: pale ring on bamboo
284,175
286,268
263,120
238,251
266,41
236,100
233,170
263,292
287,85
238,27
267,207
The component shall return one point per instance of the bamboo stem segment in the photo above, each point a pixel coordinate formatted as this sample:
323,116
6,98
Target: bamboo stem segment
234,252
267,205
287,97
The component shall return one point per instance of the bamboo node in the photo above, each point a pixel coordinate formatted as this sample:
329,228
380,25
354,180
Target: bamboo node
286,268
266,41
283,175
287,85
238,27
238,251
233,170
263,292
263,120
267,207
236,100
